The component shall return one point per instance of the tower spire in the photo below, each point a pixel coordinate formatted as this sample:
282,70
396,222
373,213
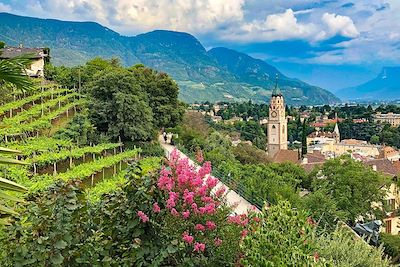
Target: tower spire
276,91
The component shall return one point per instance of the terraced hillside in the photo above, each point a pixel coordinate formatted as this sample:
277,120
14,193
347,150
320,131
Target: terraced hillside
27,123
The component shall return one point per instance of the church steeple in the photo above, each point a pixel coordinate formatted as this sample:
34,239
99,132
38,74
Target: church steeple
277,123
277,90
336,130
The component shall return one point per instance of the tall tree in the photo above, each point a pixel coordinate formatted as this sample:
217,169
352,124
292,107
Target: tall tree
304,138
119,107
162,94
345,189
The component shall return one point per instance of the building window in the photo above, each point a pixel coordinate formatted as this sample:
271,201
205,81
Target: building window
388,226
391,204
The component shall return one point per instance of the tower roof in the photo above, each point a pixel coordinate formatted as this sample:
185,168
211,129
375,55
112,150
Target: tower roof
277,90
336,129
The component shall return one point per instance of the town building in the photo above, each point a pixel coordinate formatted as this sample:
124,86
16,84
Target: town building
347,146
391,223
322,137
324,121
263,121
313,159
39,57
277,143
277,123
391,118
390,153
361,120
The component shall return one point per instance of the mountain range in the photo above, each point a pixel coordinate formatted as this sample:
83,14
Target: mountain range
219,74
386,86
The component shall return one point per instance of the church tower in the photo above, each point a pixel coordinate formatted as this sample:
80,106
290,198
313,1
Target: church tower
277,123
337,132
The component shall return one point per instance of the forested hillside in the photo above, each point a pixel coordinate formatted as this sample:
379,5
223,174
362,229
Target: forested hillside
202,75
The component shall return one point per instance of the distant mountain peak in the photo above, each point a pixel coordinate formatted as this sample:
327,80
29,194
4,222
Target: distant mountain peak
202,75
386,86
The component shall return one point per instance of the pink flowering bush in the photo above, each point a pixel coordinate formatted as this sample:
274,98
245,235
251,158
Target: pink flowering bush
193,217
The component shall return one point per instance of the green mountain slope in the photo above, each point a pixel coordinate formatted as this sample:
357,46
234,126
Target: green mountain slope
219,74
257,72
386,86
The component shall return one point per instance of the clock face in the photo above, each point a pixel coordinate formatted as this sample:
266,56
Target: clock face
273,114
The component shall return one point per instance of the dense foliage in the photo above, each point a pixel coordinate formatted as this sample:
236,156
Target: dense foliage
131,103
343,248
151,221
343,189
282,237
391,244
119,107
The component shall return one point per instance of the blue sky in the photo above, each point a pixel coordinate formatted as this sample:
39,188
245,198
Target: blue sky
330,43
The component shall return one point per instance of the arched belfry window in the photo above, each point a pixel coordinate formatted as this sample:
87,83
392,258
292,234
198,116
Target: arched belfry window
273,127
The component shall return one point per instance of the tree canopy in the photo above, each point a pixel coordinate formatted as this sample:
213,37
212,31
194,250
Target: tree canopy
345,189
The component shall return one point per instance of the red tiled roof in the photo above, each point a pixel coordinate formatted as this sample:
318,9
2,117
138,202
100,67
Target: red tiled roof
287,156
318,124
396,165
384,165
315,157
322,134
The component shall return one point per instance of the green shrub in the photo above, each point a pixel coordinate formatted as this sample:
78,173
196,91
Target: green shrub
344,248
283,237
391,244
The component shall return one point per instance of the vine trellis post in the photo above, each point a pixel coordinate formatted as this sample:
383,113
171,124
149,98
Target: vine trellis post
55,168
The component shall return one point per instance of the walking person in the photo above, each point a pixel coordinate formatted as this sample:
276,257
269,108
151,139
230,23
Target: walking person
165,137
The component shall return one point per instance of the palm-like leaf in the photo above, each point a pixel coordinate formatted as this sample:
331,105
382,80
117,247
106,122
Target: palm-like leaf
12,70
9,186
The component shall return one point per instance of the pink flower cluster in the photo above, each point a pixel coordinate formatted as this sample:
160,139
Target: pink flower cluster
143,217
238,219
199,246
187,238
188,197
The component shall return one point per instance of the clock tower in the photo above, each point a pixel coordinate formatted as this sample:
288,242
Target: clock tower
277,123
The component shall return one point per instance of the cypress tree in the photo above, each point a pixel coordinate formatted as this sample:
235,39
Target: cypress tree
304,139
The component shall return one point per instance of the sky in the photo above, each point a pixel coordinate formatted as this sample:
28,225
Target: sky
329,43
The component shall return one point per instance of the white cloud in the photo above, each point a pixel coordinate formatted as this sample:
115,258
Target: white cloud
127,16
280,26
182,15
286,26
337,25
4,8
